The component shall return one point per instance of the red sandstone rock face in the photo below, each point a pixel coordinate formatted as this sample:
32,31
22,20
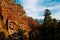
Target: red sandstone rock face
16,16
11,11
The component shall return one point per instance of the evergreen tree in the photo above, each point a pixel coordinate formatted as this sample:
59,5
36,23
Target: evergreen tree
46,27
47,19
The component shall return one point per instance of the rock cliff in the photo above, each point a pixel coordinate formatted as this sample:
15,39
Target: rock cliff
13,16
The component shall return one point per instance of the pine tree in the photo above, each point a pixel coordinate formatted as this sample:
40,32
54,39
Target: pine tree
45,29
47,19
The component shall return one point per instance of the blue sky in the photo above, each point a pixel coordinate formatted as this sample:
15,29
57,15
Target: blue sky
35,8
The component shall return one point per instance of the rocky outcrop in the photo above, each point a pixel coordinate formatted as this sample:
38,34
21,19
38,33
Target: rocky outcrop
14,17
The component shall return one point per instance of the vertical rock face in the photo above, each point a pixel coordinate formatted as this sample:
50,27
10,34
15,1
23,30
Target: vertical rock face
14,17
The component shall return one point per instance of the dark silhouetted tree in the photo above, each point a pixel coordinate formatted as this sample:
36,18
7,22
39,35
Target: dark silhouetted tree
58,31
46,26
47,19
